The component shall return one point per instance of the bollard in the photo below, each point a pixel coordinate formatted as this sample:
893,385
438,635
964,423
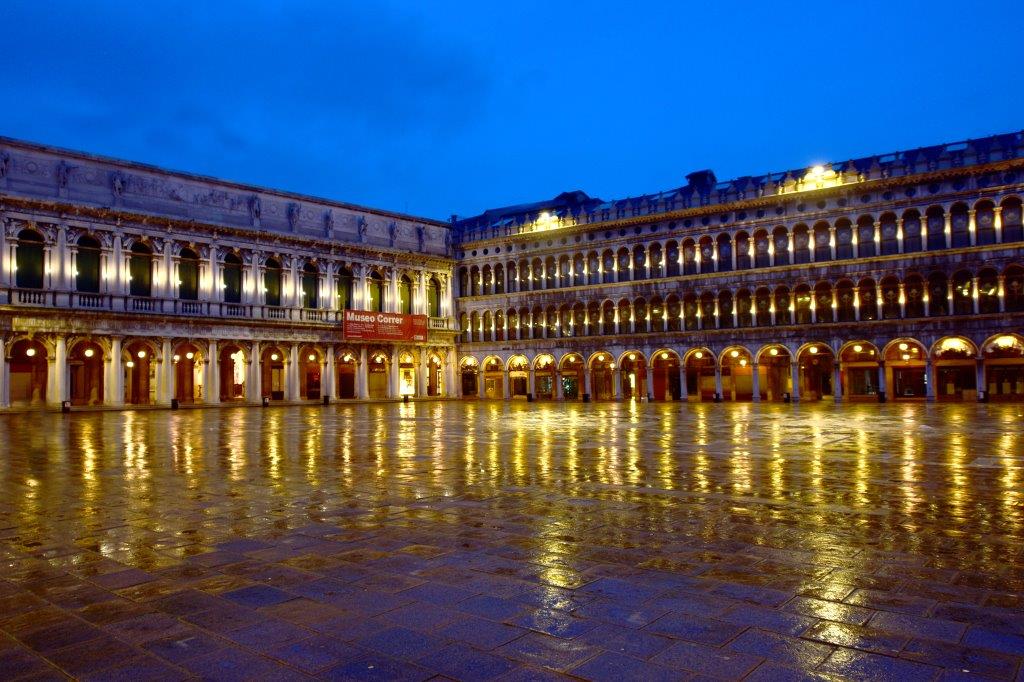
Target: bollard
786,398
881,396
586,397
174,404
266,401
327,400
529,397
405,399
65,406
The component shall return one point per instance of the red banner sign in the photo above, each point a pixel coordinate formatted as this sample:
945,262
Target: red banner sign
362,324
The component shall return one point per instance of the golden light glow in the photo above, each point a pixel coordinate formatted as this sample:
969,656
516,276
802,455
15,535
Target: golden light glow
177,357
129,364
858,348
189,355
664,356
89,352
141,354
632,356
903,346
311,357
1006,342
30,352
813,350
734,354
698,355
773,351
274,356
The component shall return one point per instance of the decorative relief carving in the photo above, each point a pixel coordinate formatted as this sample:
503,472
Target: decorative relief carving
294,215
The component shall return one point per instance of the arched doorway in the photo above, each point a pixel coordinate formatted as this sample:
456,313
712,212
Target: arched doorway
905,370
518,377
955,362
633,373
665,366
28,372
1004,367
346,367
737,374
468,371
775,373
273,379
602,383
406,374
570,371
544,377
700,375
816,365
139,366
435,378
377,376
188,374
232,364
494,378
85,369
858,368
310,373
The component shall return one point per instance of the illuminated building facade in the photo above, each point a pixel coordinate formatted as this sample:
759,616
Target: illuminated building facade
895,277
126,284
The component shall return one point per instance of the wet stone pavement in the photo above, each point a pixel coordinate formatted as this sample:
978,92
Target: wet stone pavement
514,542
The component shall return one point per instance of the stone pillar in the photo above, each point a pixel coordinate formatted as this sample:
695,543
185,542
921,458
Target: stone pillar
878,301
882,390
899,235
57,373
972,227
5,374
794,371
903,302
1001,292
649,388
586,382
506,388
423,374
997,223
837,383
211,389
254,381
556,377
979,381
684,392
732,242
947,228
718,382
532,387
929,381
291,373
395,375
362,380
113,393
755,382
856,303
974,293
617,382
165,373
328,376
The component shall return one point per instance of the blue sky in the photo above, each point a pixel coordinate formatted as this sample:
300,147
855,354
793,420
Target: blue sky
441,107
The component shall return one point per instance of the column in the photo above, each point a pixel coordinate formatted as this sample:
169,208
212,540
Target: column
254,381
291,373
211,388
878,301
650,381
755,382
57,374
531,389
947,228
5,374
899,235
997,223
423,375
972,227
586,381
329,376
395,375
684,392
929,383
979,373
165,373
882,391
718,382
903,302
113,393
506,388
557,378
1001,292
362,380
837,383
617,382
878,237
732,242
856,303
794,371
974,293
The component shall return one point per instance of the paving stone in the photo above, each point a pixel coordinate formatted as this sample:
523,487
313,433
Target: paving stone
464,663
609,667
781,648
852,664
694,629
697,658
481,633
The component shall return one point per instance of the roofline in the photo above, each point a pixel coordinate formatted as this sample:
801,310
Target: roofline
136,165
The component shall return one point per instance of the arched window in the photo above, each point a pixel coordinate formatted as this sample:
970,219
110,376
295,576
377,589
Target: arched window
823,302
188,275
846,311
801,244
963,301
985,222
232,279
1013,287
310,286
911,232
1013,220
405,295
988,291
87,266
890,298
272,282
783,315
780,240
345,281
140,270
867,293
959,222
913,292
938,295
29,260
724,253
434,298
802,304
844,239
865,237
725,308
936,223
376,292
890,240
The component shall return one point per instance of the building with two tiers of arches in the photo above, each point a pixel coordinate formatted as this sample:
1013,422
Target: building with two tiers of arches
898,277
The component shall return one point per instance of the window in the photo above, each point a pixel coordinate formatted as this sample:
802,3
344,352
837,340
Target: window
272,282
29,260
345,289
434,298
232,279
188,275
405,295
140,270
87,266
376,292
310,286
